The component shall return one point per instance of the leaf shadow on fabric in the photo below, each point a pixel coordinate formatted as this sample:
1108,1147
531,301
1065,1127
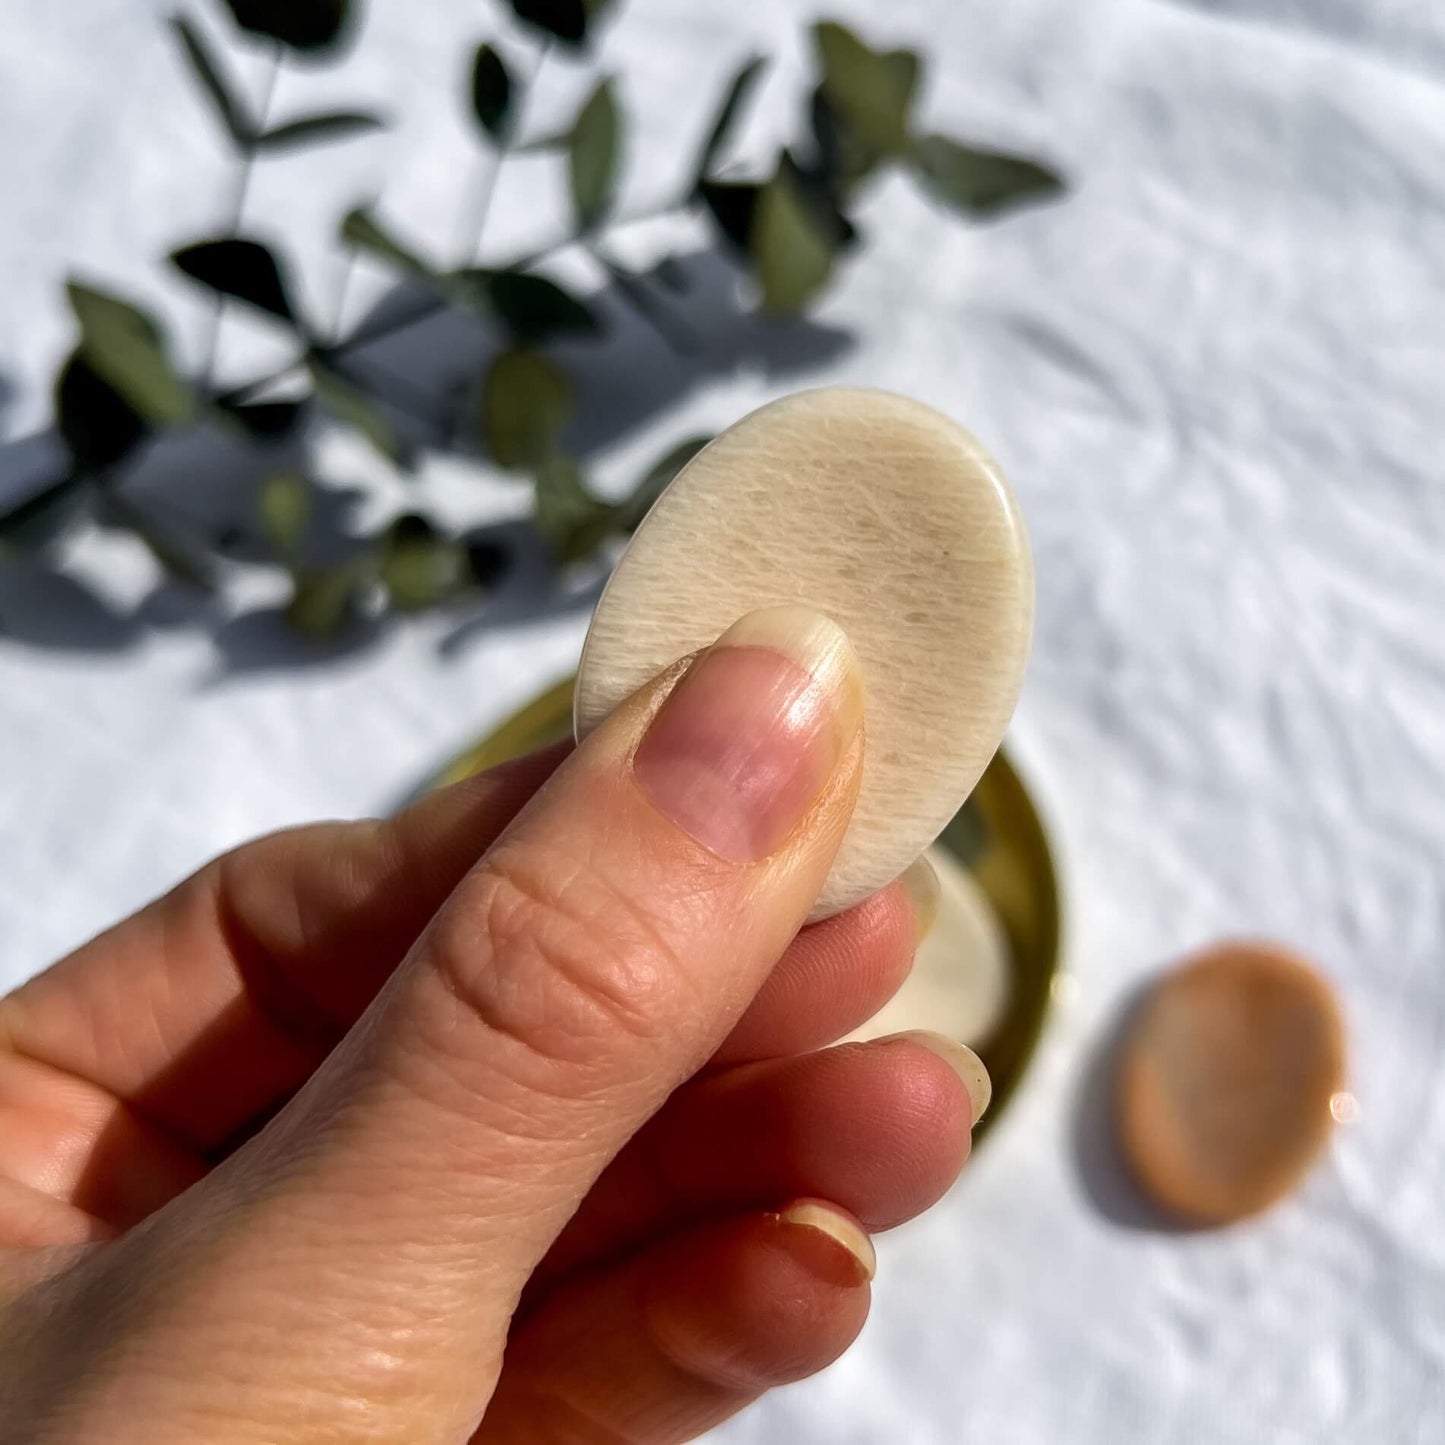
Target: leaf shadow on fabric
206,481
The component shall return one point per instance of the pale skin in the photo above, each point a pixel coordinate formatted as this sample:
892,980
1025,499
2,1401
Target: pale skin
511,1118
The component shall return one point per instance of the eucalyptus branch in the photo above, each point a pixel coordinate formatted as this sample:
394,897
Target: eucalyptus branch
474,216
241,192
424,308
789,228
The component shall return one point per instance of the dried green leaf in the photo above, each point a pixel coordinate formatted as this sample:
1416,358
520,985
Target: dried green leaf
264,420
351,405
232,111
492,92
419,567
819,193
243,269
488,560
526,405
324,600
792,254
532,308
124,347
100,428
594,156
335,125
978,182
733,205
284,503
872,91
565,20
842,156
571,520
575,523
305,25
735,98
362,230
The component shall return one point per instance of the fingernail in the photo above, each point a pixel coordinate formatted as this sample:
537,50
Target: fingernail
740,752
810,1214
920,882
964,1062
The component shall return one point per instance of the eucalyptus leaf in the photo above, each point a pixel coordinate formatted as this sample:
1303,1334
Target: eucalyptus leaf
594,156
820,195
564,20
492,92
873,91
335,125
733,205
571,520
740,88
349,404
304,25
362,230
488,560
575,523
240,268
325,600
978,182
419,566
284,504
526,405
100,428
231,109
124,346
532,308
792,253
842,156
265,421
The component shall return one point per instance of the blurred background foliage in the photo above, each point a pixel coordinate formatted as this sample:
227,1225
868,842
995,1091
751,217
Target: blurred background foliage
786,227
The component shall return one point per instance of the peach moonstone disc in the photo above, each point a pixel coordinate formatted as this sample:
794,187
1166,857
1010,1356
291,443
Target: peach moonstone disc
1226,1081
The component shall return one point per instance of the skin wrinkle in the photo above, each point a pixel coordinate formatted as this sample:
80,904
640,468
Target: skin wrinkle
516,959
531,868
266,988
310,1234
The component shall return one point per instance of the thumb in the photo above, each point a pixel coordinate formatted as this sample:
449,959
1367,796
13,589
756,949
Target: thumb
588,964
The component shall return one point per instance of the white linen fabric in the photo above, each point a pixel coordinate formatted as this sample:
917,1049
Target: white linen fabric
1214,376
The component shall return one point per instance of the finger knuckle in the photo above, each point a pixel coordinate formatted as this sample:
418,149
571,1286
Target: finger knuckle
542,947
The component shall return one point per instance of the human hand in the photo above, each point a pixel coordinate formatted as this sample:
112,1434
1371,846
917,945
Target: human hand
496,1121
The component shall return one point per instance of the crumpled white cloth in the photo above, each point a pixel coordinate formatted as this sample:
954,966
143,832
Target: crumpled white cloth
1215,376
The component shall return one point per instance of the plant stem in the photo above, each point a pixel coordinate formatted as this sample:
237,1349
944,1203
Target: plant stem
381,328
237,210
475,213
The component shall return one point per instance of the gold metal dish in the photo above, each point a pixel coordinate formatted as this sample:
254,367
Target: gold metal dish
997,835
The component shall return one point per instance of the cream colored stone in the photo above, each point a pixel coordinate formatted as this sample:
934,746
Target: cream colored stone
960,982
887,517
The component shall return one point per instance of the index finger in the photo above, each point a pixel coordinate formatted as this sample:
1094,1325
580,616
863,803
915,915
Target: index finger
220,998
